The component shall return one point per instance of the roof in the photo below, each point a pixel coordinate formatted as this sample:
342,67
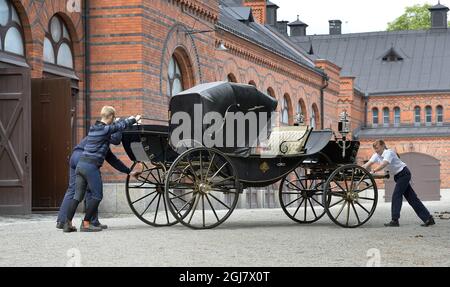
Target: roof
297,22
264,36
425,65
396,132
269,4
240,13
439,6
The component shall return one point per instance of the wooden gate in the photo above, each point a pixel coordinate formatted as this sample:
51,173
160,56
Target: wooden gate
52,142
425,179
15,141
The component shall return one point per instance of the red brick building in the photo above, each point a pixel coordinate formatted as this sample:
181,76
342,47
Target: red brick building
62,60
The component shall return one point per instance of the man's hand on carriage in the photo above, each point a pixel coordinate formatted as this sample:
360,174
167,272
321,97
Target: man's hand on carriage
135,174
138,118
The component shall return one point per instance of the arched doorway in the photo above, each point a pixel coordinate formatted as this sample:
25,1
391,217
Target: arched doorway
54,98
425,179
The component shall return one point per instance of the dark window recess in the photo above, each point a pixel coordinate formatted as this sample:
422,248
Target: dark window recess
392,56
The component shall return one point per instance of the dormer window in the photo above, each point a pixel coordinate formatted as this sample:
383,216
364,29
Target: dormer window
392,56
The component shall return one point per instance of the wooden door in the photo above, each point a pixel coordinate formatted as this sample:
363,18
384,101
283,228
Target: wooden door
52,143
15,141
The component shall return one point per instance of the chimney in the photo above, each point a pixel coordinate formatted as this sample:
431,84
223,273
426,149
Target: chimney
282,27
258,10
335,27
439,16
271,13
298,28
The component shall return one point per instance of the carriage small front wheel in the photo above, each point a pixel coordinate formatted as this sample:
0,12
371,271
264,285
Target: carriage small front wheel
202,188
146,197
300,196
350,196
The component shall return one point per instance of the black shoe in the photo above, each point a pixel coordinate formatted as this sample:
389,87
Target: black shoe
392,223
429,222
59,225
102,226
90,228
69,228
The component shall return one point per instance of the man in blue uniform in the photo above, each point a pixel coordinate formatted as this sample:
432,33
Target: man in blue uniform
74,158
88,167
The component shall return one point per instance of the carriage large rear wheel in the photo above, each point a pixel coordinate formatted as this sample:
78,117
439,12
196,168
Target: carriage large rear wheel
350,196
146,197
207,183
301,196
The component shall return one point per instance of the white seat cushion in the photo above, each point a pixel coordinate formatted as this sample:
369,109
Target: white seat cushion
286,141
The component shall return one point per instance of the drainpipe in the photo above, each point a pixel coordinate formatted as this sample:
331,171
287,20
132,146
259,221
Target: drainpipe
366,106
322,116
87,69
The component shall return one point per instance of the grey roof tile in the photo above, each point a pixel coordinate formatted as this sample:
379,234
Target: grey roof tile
425,65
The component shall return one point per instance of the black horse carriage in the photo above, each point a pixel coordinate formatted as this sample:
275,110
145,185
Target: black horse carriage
195,168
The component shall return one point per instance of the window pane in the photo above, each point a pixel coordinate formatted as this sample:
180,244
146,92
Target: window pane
55,29
49,55
65,56
15,17
14,42
65,33
386,116
428,114
439,115
177,87
4,13
417,115
171,71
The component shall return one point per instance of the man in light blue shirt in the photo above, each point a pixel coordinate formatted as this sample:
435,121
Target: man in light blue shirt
402,176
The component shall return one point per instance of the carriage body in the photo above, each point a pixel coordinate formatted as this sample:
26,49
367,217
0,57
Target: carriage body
187,174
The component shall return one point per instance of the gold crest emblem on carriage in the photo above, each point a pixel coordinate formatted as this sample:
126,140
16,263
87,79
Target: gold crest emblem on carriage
264,167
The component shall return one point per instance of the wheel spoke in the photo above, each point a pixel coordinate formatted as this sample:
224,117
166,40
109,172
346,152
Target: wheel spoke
192,169
351,180
221,181
223,190
143,197
356,213
210,163
365,188
348,213
194,208
201,167
217,172
295,186
306,208
312,208
212,207
157,208
165,208
298,207
366,198
362,207
340,211
336,203
220,201
339,185
177,197
317,201
293,201
203,209
181,195
184,206
145,210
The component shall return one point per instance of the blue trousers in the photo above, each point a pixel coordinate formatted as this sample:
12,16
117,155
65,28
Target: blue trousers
70,193
403,188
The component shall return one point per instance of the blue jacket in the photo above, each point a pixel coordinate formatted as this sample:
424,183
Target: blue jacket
99,138
116,163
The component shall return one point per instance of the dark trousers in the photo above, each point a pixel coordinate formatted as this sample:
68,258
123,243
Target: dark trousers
403,188
70,193
88,175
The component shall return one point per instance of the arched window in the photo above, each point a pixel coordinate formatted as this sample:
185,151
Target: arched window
428,115
231,78
396,116
301,110
11,33
375,117
417,116
175,78
58,44
313,119
439,115
386,117
285,111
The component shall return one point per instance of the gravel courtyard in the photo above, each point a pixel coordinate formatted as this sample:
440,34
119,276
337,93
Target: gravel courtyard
265,237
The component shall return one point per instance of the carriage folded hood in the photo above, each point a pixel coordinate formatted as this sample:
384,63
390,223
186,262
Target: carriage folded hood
219,96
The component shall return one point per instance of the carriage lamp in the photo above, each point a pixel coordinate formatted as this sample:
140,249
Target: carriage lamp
344,130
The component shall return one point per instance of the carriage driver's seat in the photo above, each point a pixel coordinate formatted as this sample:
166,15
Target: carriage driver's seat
286,141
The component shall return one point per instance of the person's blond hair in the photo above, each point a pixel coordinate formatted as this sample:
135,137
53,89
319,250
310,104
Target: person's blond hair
107,111
379,143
